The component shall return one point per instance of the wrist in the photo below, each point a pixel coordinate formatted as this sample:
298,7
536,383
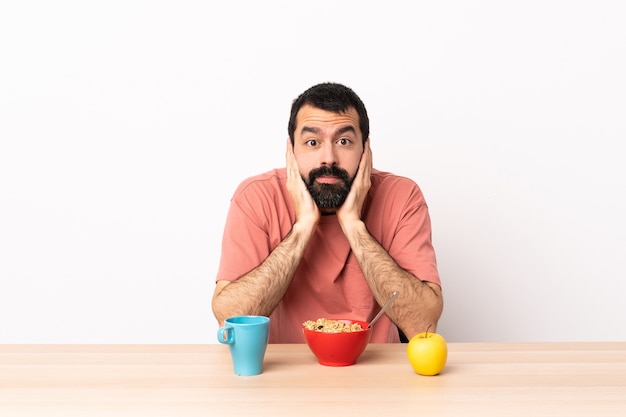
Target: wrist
354,230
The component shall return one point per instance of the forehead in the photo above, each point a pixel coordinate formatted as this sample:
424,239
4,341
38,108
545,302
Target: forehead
309,116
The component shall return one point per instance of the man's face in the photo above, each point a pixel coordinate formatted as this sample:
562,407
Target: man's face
328,148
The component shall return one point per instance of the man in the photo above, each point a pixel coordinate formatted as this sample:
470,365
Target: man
329,236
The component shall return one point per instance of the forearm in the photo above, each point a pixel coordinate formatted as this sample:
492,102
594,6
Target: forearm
259,291
419,304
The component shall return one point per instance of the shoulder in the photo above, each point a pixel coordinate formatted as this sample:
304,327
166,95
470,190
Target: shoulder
387,182
395,190
264,200
267,182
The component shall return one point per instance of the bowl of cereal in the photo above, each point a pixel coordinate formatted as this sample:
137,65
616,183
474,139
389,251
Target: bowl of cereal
336,342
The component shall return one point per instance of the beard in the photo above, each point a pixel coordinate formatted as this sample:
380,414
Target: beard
329,196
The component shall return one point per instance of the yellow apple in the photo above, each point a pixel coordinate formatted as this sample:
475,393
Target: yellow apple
428,353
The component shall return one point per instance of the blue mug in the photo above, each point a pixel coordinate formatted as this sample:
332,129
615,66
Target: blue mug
247,338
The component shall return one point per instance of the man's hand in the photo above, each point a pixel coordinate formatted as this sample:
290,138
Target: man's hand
419,304
260,290
350,211
306,209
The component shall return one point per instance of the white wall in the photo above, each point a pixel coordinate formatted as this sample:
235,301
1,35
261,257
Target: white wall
126,125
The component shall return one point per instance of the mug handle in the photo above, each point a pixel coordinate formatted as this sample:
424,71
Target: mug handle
225,335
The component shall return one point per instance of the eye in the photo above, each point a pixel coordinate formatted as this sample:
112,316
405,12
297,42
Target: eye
344,141
311,142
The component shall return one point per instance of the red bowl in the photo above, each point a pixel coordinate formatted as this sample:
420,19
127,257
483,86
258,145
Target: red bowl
338,349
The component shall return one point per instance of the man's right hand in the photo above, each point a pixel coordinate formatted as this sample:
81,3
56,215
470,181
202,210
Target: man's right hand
307,211
259,291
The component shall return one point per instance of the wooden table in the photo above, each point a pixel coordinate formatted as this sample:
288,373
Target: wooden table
480,379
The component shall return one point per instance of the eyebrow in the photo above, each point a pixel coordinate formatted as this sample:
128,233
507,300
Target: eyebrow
317,131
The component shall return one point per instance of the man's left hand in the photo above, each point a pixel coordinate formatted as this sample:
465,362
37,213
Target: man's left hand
350,210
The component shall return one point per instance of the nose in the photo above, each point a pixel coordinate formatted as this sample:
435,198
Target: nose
328,155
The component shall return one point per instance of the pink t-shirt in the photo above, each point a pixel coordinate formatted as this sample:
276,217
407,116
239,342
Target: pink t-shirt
328,282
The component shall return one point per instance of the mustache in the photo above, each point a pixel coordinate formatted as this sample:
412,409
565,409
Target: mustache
329,171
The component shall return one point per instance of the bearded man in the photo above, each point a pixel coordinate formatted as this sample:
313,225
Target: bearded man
329,236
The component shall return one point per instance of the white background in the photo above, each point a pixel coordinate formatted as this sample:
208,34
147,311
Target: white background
126,125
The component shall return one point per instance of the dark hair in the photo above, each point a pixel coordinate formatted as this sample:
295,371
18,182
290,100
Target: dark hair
330,97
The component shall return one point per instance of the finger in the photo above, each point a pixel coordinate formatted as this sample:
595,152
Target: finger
290,157
365,166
